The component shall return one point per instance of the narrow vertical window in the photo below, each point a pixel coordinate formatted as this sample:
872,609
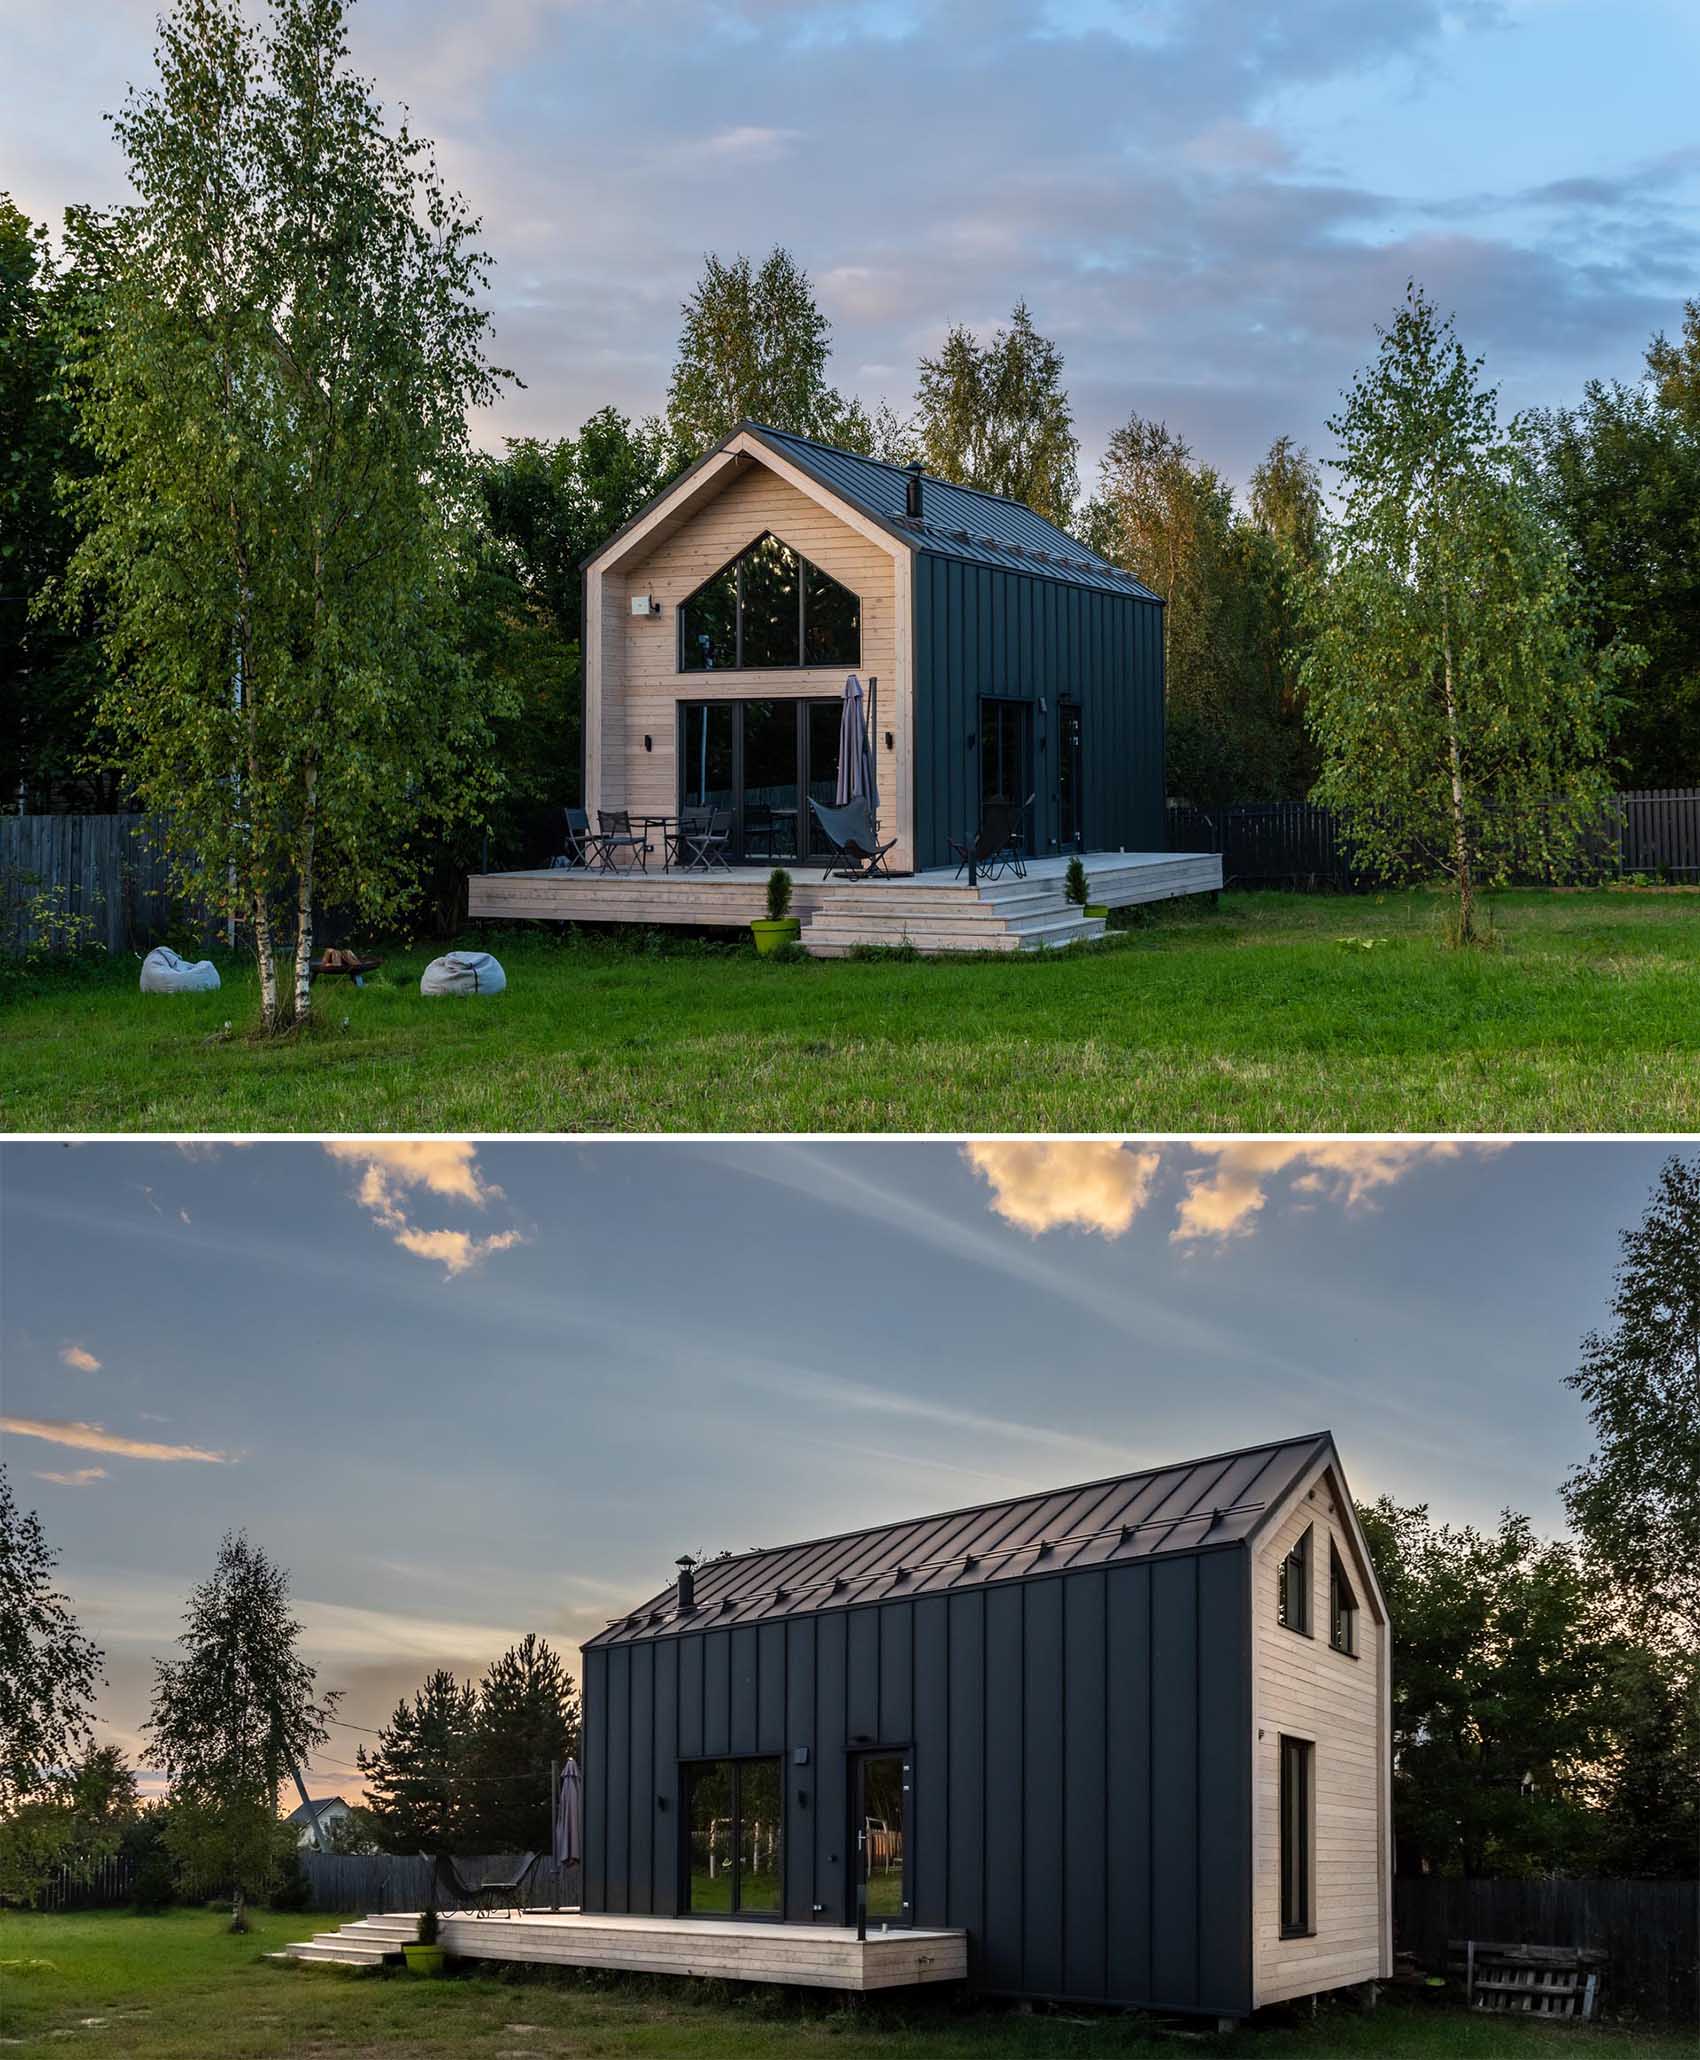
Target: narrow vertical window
1292,1588
1342,1607
1295,1837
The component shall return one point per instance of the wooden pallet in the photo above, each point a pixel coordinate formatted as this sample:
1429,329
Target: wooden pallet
1536,1981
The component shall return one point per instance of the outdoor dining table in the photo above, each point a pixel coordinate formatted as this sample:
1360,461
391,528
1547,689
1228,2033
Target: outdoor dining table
666,824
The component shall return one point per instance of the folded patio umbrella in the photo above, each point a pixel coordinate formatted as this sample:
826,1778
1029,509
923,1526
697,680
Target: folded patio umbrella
569,1816
855,752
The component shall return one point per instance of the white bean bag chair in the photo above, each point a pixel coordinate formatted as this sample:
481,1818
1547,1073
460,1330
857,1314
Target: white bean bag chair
463,972
163,972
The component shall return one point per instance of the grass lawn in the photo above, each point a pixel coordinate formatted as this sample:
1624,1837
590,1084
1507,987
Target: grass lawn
1272,1012
172,1987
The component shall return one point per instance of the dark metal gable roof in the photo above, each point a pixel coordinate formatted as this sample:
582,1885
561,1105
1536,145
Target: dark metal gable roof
956,521
1194,1505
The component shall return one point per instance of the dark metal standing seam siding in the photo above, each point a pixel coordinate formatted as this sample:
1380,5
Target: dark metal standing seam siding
980,631
1080,1740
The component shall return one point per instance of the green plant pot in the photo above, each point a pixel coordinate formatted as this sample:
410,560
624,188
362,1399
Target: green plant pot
771,936
1101,909
423,1959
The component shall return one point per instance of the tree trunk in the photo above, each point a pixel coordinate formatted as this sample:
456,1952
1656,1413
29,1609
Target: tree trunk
1461,859
239,1908
304,904
265,953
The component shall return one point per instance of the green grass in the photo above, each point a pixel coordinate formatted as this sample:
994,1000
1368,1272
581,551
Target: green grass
179,1987
1273,1012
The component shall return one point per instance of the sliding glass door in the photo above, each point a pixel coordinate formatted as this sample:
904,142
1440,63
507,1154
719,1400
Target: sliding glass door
1006,759
735,1839
763,760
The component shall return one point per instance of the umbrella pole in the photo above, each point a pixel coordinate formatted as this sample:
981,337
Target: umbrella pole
555,1825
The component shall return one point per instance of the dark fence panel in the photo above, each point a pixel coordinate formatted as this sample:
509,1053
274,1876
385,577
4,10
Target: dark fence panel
1650,1929
67,880
1295,844
100,1886
375,1883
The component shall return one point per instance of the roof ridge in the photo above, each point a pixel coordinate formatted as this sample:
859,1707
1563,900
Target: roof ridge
1009,1501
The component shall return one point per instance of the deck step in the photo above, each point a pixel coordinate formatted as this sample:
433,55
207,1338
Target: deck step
337,1956
366,1942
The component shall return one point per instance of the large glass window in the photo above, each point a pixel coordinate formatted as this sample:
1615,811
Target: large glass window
1006,733
706,764
769,607
1292,1591
770,779
1295,1836
735,1831
1342,1606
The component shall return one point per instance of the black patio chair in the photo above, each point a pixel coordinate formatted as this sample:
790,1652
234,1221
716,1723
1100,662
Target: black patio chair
615,834
690,822
992,850
452,1891
581,841
857,853
706,842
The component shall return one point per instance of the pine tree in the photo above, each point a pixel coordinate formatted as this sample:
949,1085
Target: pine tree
417,1795
528,1717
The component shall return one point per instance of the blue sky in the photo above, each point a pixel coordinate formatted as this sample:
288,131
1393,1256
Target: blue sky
467,1391
1209,205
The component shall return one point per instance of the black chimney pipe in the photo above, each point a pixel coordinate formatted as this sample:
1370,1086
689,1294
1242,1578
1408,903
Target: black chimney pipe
912,491
687,1585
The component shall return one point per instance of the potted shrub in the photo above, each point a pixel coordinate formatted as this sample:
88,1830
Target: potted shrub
427,1956
780,927
1078,889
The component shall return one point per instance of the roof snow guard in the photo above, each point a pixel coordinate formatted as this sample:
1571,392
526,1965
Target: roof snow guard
1196,1505
957,522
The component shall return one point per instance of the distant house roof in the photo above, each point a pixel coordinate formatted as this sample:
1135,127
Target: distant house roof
956,521
308,1812
1193,1505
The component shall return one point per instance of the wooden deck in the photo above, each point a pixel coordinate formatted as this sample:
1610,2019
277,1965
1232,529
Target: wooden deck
798,1955
930,911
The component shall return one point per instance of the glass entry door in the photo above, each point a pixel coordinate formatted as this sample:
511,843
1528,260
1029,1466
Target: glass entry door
881,1797
1071,778
763,760
1006,759
734,1860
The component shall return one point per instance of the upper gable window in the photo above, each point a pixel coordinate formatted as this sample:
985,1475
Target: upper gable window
768,609
1342,1607
1292,1587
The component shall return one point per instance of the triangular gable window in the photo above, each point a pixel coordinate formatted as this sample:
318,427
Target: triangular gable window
770,608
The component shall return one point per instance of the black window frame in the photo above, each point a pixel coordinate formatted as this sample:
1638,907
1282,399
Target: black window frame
1297,1557
736,1762
1342,1615
1298,1843
803,662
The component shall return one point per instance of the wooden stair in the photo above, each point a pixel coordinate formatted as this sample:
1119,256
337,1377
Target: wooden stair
1003,915
368,1942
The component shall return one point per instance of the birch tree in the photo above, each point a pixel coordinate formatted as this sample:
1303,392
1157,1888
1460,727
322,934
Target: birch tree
996,416
1461,719
276,394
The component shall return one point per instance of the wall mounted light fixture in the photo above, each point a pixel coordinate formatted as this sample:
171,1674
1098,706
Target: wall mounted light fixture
649,743
970,740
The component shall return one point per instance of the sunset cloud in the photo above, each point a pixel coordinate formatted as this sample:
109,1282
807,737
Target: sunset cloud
94,1437
1065,1184
445,1167
80,1477
1225,1198
79,1358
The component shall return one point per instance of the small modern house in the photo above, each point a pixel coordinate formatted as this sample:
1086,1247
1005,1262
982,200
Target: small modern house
1002,661
1130,1740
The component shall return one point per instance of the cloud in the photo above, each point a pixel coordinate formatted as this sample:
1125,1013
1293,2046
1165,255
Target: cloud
79,1359
1225,1198
94,1437
1081,1184
446,1167
80,1477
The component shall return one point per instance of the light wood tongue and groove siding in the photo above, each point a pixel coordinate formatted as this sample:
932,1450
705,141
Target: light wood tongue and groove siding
641,685
1305,1689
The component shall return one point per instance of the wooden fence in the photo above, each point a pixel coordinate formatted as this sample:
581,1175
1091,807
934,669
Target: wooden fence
379,1882
1649,1930
1295,844
67,881
101,1885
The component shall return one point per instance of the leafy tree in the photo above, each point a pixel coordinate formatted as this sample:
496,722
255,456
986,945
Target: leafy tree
1621,475
1461,717
76,1820
417,1795
1637,1499
996,416
1647,1798
1497,1693
239,1712
276,395
50,671
49,1672
754,347
528,1716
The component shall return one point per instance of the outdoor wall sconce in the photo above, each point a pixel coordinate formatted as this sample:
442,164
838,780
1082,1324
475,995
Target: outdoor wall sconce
649,743
802,1798
661,1802
970,740
890,741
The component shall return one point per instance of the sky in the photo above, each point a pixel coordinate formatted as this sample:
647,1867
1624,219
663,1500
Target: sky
1208,205
463,1391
